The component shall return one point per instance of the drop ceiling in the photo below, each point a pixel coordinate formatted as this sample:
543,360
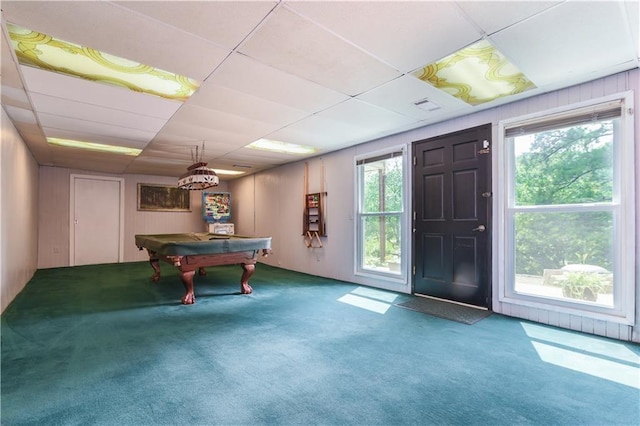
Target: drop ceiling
326,74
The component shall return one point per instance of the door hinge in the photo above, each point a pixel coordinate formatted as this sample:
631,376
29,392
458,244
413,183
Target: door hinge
487,194
414,160
414,269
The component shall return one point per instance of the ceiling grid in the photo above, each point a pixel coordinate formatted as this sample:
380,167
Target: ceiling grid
322,74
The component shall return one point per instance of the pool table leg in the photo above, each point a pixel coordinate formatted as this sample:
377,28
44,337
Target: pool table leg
189,297
247,271
155,264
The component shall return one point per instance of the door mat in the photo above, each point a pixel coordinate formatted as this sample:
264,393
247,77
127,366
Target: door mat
446,310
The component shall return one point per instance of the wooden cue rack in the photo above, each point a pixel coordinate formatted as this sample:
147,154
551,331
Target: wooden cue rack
313,223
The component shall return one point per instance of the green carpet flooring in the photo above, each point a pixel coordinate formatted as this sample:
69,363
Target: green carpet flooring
104,345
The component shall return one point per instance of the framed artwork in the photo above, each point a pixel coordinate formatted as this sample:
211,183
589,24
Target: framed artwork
216,206
163,198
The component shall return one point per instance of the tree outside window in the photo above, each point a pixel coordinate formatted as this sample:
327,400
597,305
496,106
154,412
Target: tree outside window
380,184
563,212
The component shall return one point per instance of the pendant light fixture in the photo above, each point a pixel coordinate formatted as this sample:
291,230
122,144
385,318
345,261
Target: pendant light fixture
198,176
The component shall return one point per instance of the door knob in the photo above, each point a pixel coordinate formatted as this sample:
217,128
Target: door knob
480,228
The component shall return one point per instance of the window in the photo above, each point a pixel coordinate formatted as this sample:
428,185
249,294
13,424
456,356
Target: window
381,215
568,209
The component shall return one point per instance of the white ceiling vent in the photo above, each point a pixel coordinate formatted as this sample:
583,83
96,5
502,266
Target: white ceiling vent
427,105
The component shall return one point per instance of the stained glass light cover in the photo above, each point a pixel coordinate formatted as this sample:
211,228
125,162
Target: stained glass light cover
49,53
476,74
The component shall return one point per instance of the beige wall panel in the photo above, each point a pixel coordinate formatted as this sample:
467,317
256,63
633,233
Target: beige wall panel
53,218
243,211
19,213
53,245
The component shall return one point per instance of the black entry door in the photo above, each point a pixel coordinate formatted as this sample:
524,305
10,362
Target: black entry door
452,199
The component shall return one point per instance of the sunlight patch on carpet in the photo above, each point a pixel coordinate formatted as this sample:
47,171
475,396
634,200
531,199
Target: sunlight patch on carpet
371,293
614,371
586,354
370,299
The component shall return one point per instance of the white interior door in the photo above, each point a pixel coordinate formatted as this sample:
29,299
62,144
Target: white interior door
96,220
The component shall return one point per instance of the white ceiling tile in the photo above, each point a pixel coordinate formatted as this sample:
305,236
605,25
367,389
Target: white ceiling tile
105,95
157,166
96,114
493,16
15,97
221,121
633,15
225,23
178,153
429,30
292,78
240,104
30,132
315,54
21,115
192,152
8,67
83,159
165,137
320,132
257,157
249,76
363,115
561,44
103,26
90,128
401,94
35,137
197,134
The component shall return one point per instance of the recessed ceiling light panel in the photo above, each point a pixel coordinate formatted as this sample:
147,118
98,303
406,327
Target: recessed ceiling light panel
229,172
476,74
48,53
283,147
91,146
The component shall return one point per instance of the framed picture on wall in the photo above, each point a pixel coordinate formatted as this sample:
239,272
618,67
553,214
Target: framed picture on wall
163,198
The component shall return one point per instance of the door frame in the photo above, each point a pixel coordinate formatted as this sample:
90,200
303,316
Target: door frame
490,209
72,199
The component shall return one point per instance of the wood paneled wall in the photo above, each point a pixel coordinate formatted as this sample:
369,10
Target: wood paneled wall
18,213
53,246
276,197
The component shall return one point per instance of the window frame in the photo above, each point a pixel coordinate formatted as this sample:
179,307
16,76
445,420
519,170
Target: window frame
622,207
359,214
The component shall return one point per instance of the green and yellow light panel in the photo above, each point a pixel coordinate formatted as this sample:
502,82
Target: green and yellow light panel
476,74
282,147
92,146
48,53
228,172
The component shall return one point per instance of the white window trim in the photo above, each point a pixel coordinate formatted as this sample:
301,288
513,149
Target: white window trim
405,223
624,298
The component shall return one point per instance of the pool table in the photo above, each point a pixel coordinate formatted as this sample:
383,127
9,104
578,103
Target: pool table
195,251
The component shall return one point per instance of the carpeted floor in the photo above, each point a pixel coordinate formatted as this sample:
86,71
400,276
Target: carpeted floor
446,310
103,345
